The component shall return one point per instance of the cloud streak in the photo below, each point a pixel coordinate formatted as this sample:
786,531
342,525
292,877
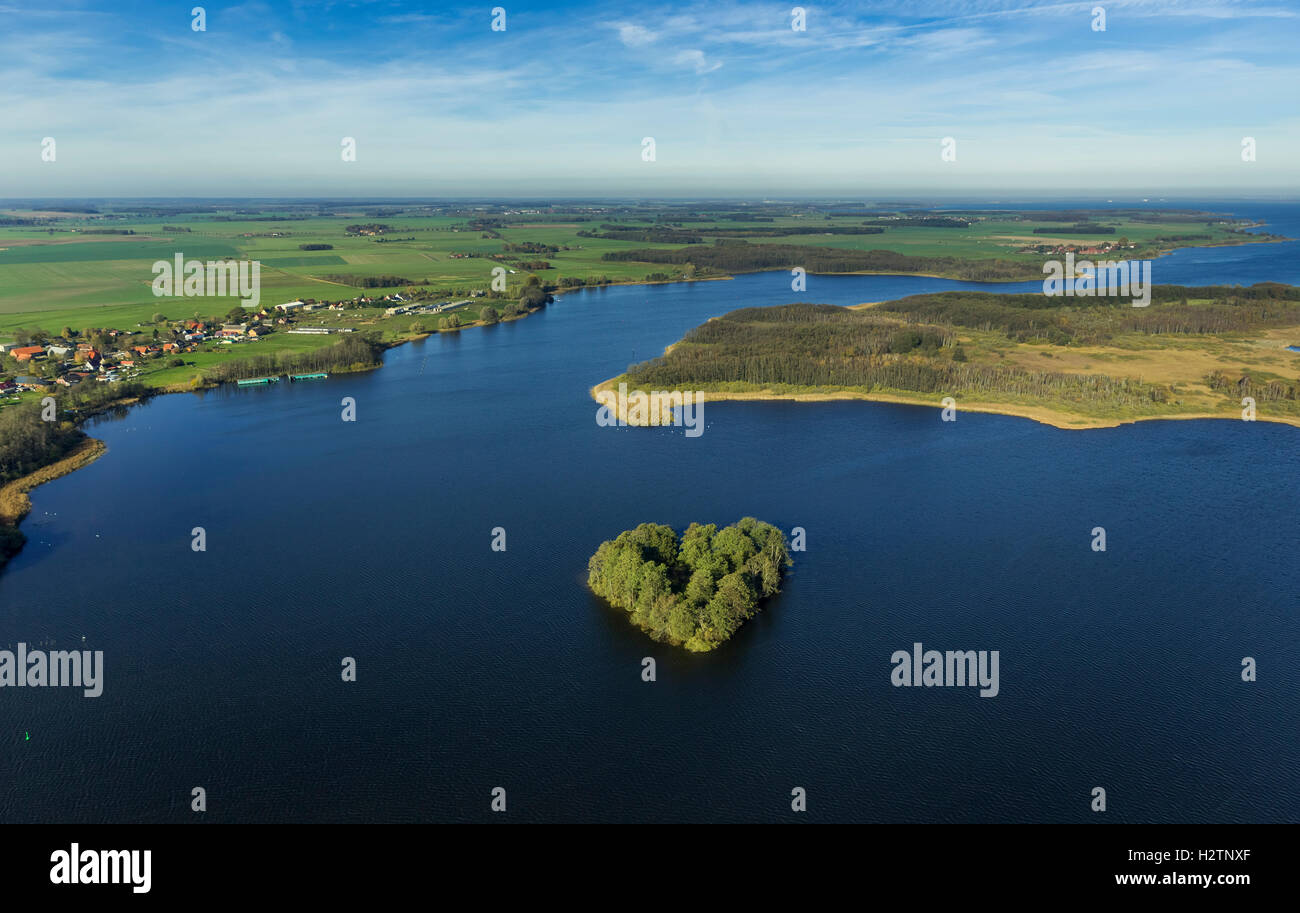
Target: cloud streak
142,105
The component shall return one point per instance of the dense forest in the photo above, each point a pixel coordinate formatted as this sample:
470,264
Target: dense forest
27,443
911,346
695,591
739,256
818,345
1093,321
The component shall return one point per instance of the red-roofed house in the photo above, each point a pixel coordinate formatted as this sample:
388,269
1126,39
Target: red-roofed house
27,353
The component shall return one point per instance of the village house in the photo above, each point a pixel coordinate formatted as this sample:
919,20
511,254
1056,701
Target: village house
27,353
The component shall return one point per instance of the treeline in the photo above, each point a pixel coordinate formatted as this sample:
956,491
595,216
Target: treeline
1062,320
89,397
315,247
740,256
923,222
812,345
1260,390
373,281
699,235
1090,215
581,282
643,235
695,591
177,228
1082,228
532,247
791,230
358,228
354,352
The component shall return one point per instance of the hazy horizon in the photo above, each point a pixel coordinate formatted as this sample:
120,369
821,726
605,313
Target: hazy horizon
1036,99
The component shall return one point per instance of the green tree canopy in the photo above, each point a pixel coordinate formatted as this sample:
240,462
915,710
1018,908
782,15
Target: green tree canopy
697,590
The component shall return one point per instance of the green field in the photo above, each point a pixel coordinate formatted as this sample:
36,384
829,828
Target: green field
68,270
55,276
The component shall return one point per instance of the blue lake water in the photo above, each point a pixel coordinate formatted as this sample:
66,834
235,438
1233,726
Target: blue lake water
479,669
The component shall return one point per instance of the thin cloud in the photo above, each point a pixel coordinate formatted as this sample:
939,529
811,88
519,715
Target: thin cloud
696,60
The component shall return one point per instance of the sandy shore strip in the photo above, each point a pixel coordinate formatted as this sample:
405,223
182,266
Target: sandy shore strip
14,503
1041,414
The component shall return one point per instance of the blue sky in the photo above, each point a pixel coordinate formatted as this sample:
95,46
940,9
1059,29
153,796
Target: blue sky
738,103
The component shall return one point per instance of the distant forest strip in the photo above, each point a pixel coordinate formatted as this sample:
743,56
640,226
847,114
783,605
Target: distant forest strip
1093,321
1083,228
352,353
1133,215
697,236
372,281
923,222
740,256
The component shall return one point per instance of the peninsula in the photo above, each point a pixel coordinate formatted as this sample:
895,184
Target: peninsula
1196,352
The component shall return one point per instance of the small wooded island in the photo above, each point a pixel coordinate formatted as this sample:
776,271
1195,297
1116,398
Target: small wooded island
695,591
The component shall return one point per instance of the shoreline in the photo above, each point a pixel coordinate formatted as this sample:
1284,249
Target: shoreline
15,504
92,448
1043,415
